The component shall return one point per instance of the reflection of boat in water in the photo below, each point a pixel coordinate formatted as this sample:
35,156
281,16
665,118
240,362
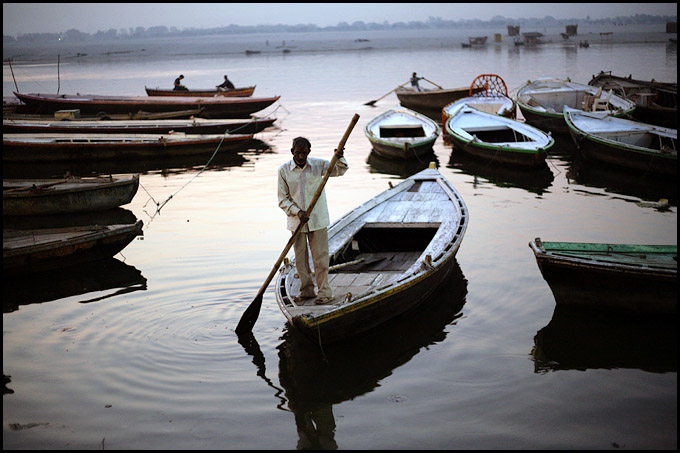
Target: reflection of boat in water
104,275
581,338
314,379
117,216
30,251
402,168
536,180
623,181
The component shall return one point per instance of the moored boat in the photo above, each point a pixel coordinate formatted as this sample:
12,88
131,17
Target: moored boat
78,147
430,101
626,277
68,195
240,91
542,102
497,104
623,143
497,139
27,251
401,133
655,102
188,126
212,107
387,256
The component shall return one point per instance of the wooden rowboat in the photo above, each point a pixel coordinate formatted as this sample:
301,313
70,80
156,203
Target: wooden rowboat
655,102
497,139
402,134
25,251
430,102
542,102
387,256
623,143
497,104
242,92
188,126
66,196
78,147
625,277
212,107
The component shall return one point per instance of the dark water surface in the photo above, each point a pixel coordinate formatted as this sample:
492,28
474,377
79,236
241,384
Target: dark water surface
140,352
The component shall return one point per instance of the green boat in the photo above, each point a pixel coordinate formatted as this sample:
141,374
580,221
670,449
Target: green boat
626,277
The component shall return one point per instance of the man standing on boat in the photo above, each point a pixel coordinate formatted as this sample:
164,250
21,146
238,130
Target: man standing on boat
299,179
414,82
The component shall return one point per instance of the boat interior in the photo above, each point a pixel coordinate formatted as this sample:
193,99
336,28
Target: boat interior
405,130
553,101
500,134
644,139
375,256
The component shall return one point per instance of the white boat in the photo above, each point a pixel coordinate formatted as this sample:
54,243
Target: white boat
497,104
497,139
401,133
387,256
542,102
624,143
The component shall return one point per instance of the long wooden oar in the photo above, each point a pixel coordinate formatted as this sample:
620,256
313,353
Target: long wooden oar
395,89
432,83
251,314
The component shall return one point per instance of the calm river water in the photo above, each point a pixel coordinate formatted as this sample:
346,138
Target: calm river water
139,352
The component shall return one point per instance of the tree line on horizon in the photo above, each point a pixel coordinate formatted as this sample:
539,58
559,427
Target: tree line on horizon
74,35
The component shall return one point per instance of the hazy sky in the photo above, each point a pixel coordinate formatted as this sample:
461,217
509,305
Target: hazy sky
21,18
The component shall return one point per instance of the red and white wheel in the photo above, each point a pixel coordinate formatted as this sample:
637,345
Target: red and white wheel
488,85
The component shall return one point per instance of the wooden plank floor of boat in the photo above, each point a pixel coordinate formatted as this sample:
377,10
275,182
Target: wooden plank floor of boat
382,268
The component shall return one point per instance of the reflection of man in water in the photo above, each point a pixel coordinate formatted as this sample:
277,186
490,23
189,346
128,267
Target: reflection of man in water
315,427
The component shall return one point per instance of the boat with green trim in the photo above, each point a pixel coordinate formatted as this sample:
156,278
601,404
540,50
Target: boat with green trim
542,102
387,256
623,143
627,277
401,133
497,139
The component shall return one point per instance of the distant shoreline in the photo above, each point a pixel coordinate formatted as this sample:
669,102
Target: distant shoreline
274,44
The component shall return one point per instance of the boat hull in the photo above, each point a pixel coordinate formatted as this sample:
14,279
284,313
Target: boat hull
431,102
500,155
74,148
212,107
402,151
241,91
46,197
41,250
246,126
590,282
377,310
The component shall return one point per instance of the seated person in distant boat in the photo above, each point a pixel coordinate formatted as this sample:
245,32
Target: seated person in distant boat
299,179
414,82
226,85
178,84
